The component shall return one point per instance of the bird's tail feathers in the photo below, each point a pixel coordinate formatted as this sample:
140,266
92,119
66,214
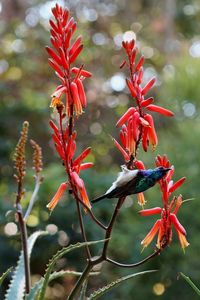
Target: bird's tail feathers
99,198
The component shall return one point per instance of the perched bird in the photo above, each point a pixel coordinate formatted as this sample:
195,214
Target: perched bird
133,182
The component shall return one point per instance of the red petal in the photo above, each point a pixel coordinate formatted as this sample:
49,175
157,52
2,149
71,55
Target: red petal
140,63
160,110
126,116
77,180
68,39
145,138
82,72
151,131
55,28
75,45
131,88
76,98
140,76
65,17
176,184
54,55
148,86
82,156
151,211
81,92
56,67
139,164
144,122
57,196
177,224
126,156
147,101
63,58
54,127
85,166
75,54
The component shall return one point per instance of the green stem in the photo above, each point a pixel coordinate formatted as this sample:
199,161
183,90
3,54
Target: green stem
195,288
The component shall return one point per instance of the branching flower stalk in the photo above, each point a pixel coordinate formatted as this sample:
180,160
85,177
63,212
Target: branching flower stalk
20,166
136,127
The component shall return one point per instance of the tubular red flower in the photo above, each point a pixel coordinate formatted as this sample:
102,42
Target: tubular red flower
75,54
151,131
139,164
81,92
150,211
177,184
131,88
177,224
150,236
140,63
124,153
126,116
82,156
82,72
56,67
148,86
53,54
52,204
160,110
147,102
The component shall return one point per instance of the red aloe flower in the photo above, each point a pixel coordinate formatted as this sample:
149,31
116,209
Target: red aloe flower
163,226
136,124
63,54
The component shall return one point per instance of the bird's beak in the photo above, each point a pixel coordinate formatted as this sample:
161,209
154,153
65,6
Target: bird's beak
167,169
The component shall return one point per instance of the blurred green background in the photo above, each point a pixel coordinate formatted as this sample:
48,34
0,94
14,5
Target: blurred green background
168,36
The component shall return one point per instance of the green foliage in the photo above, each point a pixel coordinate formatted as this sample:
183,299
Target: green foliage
17,284
100,292
53,261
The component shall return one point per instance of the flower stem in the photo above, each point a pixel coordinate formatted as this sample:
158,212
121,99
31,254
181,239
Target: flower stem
33,197
24,237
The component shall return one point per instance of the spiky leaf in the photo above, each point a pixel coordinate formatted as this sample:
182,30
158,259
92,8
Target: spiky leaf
17,285
100,292
35,289
54,259
3,276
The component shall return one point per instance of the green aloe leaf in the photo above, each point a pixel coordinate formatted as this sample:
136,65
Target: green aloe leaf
35,289
100,292
191,283
54,259
3,276
16,288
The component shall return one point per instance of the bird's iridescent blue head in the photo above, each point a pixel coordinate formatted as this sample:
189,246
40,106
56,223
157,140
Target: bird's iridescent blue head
157,173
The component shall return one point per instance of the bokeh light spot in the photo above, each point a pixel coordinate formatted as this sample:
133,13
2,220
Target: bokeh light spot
118,82
158,289
10,229
32,221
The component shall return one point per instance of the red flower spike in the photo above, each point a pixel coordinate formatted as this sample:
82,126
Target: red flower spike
177,224
75,54
177,184
140,63
148,86
56,67
146,102
151,211
126,156
81,92
160,110
126,116
62,188
131,88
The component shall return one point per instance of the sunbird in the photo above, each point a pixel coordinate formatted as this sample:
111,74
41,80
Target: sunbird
133,182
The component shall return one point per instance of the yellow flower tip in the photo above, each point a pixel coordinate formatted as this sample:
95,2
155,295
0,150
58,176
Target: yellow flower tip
141,200
56,103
